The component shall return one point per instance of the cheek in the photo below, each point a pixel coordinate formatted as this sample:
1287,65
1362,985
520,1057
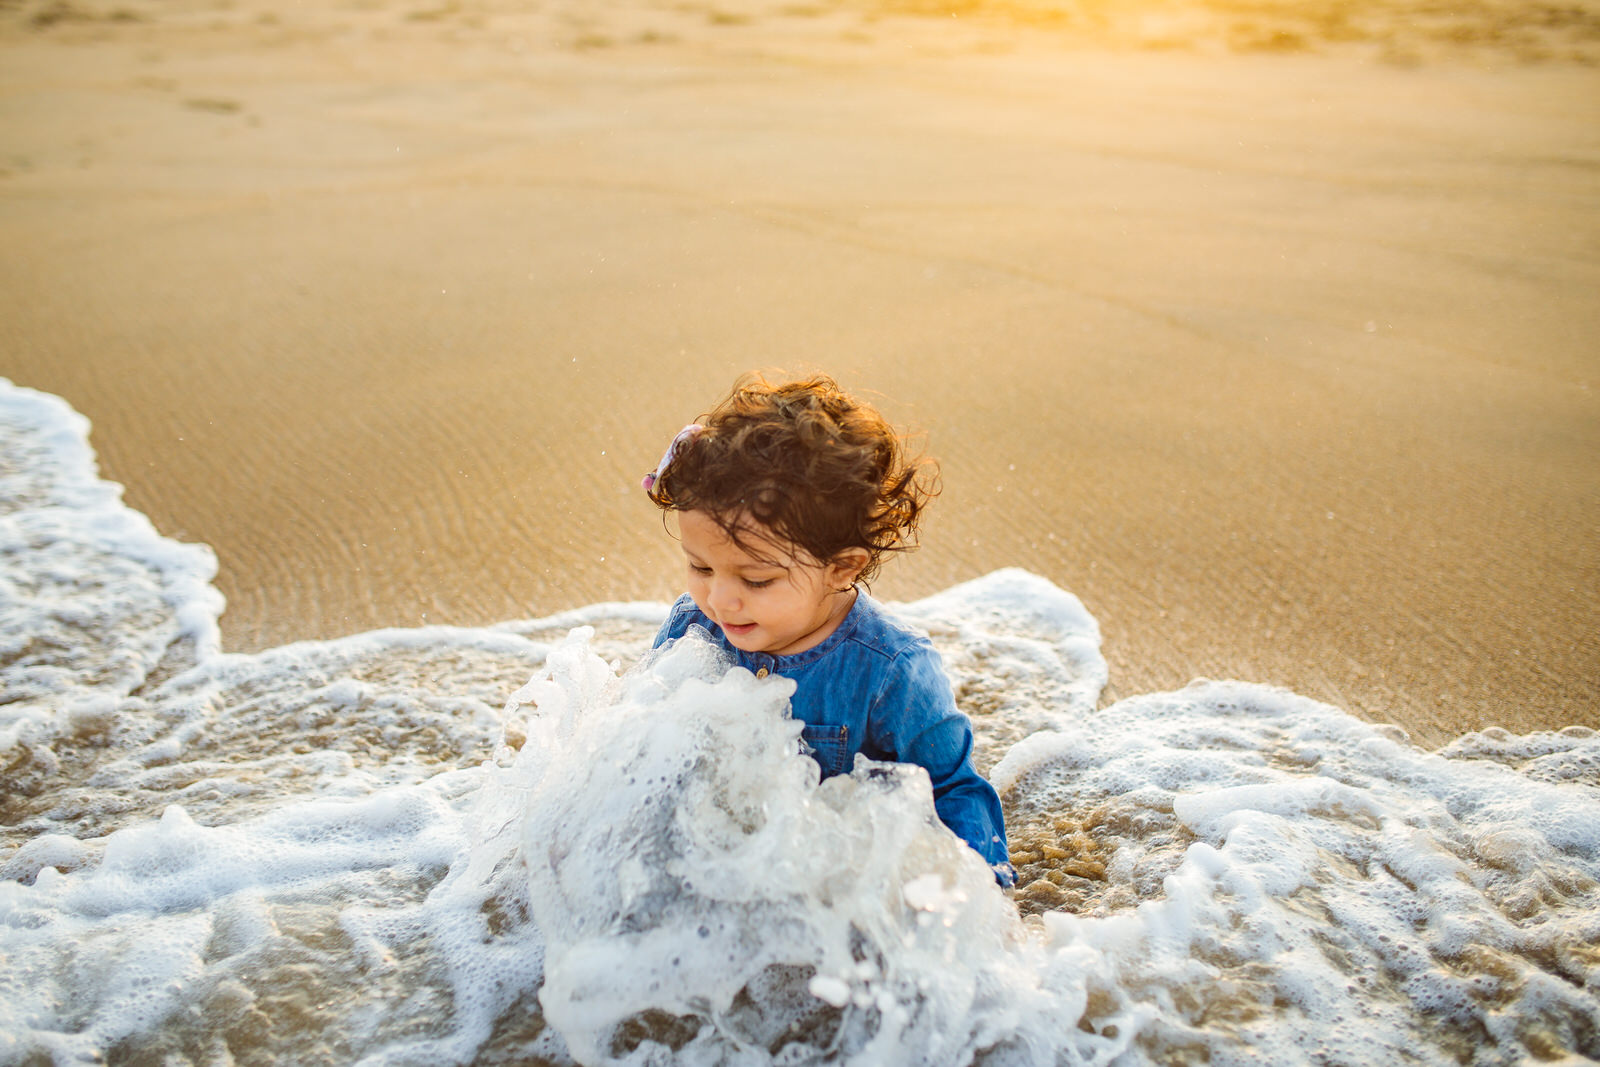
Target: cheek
774,603
698,586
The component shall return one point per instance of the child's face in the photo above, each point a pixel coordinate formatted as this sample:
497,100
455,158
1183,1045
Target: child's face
779,608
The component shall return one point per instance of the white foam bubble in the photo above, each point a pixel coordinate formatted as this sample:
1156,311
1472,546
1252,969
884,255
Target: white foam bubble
698,889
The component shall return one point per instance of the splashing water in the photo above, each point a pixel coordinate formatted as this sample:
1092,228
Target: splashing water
395,848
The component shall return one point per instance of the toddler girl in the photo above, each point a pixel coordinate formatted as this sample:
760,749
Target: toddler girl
788,497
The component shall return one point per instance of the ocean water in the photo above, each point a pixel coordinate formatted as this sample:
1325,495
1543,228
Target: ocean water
536,843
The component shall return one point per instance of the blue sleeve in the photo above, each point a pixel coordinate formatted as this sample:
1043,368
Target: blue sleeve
916,721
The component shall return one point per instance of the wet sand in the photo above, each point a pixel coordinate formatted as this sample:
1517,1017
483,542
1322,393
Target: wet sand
1269,332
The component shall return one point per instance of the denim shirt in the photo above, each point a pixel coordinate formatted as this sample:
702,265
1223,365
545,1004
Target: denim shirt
877,687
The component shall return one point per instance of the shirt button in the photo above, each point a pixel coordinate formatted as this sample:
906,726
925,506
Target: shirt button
762,673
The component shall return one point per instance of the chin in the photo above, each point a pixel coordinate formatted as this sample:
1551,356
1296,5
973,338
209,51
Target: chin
749,642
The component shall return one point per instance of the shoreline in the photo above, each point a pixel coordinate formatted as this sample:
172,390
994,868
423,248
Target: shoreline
1281,363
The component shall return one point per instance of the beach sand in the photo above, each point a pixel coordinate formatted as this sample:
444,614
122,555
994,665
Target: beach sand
1268,330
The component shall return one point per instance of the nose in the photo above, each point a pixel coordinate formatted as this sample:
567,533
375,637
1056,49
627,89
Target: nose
723,596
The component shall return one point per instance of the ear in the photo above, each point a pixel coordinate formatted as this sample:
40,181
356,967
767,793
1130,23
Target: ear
847,567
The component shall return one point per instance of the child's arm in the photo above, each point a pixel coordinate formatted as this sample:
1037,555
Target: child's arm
916,721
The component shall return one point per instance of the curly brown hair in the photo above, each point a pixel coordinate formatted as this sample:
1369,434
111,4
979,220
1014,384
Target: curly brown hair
811,464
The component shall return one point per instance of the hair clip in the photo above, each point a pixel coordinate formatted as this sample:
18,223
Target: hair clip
685,434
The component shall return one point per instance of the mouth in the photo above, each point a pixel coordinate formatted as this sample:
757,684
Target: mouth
739,630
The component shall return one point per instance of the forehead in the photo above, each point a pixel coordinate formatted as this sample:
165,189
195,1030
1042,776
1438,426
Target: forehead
703,536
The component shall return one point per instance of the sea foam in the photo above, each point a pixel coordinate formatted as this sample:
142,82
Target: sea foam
543,843
93,601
